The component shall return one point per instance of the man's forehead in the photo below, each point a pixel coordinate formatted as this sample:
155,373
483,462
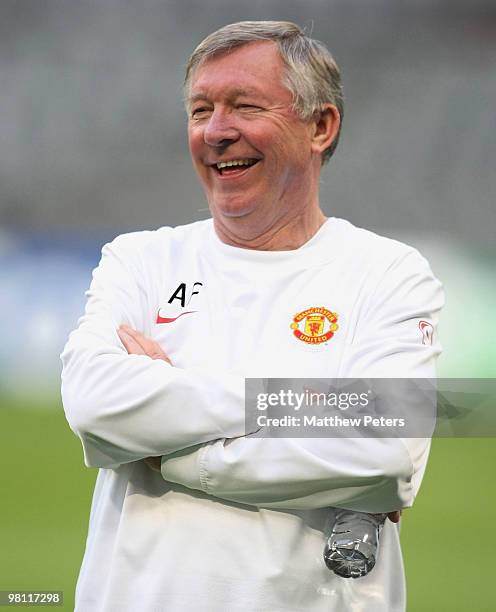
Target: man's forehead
248,70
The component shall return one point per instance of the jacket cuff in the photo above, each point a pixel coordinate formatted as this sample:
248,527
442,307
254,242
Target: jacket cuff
186,467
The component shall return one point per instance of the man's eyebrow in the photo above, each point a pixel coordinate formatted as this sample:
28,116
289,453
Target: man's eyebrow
239,93
235,93
195,98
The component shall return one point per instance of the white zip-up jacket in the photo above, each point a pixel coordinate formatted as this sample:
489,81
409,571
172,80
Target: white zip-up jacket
236,523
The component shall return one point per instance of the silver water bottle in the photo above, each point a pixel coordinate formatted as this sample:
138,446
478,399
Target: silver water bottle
351,549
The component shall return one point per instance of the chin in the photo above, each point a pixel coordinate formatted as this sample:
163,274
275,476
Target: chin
231,209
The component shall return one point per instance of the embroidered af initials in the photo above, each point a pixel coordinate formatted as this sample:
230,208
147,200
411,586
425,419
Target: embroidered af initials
181,292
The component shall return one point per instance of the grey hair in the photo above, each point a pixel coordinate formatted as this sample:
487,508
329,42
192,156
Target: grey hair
312,75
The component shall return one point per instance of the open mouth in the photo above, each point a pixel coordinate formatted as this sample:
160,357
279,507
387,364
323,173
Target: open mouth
234,167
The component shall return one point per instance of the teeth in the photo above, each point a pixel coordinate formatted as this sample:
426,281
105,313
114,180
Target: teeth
235,162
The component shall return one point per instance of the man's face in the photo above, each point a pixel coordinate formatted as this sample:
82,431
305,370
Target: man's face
240,111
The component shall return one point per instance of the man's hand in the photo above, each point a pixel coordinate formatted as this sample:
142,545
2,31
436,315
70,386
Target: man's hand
136,343
395,516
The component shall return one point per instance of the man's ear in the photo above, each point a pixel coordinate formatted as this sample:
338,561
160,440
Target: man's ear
327,122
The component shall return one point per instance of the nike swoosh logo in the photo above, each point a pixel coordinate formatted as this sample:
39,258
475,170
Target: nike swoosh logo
171,320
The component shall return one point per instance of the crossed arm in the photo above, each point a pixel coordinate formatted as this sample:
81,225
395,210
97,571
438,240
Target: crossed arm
127,402
138,344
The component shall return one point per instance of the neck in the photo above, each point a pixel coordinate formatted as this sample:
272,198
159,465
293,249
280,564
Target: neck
285,235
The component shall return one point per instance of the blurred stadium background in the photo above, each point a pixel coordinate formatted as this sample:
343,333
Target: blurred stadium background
93,144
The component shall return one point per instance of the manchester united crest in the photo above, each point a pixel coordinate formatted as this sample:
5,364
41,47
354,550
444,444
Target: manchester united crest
315,325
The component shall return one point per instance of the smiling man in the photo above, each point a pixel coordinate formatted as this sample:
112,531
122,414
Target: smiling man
190,511
258,161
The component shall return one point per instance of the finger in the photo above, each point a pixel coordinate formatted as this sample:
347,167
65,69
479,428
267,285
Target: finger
147,345
157,353
395,516
163,357
130,330
137,336
153,349
130,344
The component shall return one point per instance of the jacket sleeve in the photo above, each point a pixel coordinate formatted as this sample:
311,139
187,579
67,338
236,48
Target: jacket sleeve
363,474
126,407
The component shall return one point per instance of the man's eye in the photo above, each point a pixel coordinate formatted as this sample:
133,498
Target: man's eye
249,107
199,112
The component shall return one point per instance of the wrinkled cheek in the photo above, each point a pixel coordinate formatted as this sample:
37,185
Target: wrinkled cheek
195,141
195,149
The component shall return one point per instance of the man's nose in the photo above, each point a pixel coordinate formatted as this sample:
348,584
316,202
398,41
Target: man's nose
220,130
